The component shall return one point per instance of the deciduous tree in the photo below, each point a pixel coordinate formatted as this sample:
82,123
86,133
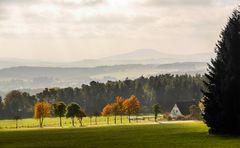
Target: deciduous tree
80,115
115,111
41,110
73,110
59,109
131,106
119,101
156,110
195,112
17,100
107,111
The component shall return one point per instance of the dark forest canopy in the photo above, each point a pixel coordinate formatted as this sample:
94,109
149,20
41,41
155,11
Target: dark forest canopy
164,89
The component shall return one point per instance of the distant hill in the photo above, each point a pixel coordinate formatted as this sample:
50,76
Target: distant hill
143,56
41,77
34,75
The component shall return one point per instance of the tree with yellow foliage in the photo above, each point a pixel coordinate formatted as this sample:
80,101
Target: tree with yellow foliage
41,110
131,106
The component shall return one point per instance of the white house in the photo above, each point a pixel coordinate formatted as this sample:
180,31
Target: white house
175,111
182,108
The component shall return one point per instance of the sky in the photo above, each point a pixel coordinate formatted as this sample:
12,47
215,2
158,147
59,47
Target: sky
73,30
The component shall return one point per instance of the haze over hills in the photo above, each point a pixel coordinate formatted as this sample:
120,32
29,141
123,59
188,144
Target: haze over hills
33,74
143,56
41,77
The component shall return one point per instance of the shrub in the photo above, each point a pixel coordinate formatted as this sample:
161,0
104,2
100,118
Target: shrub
167,116
182,117
195,112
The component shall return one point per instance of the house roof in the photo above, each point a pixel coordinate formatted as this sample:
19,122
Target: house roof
184,107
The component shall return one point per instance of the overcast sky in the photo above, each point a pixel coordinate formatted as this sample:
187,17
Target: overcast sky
72,30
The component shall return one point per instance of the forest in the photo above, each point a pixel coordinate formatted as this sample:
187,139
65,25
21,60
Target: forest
164,89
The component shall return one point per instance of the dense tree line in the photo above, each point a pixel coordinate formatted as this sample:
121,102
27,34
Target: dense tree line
58,109
16,104
165,90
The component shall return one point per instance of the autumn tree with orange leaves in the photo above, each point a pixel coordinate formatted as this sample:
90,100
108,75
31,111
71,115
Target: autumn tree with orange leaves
131,106
107,111
41,110
115,111
119,101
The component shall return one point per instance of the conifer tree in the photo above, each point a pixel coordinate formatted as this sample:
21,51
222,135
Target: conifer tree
222,84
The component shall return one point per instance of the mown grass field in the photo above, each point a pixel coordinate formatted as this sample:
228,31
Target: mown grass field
128,136
54,122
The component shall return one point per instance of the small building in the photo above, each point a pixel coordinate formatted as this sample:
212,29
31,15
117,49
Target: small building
182,108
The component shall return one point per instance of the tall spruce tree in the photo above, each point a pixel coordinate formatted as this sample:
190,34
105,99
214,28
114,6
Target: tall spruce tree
222,84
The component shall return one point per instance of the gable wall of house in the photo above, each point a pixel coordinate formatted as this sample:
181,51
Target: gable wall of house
175,112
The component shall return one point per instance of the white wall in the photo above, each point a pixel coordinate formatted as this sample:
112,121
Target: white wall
175,112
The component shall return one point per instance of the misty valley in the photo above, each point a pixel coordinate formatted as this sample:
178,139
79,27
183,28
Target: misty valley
119,74
35,77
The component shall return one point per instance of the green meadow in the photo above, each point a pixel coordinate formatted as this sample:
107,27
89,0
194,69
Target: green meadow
54,122
128,136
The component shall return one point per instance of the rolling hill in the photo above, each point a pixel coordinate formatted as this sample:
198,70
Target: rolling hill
41,77
143,56
34,74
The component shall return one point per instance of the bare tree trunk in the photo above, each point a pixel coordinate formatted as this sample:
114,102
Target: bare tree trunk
73,122
107,119
60,121
16,123
96,120
129,120
41,122
115,119
121,119
80,121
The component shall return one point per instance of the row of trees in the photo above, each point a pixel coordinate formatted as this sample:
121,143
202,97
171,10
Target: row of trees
164,89
59,109
120,106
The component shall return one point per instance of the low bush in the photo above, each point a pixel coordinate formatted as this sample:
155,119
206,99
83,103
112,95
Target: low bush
167,116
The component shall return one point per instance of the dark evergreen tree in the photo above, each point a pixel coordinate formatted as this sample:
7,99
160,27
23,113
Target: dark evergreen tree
222,91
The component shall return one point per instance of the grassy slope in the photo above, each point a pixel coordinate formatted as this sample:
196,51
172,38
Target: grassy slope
167,135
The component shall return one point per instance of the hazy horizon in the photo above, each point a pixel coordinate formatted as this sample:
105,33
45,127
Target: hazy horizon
65,31
106,57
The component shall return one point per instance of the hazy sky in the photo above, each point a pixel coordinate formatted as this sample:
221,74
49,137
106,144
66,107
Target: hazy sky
71,30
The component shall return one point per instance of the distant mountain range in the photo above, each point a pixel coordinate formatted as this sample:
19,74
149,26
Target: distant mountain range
41,77
143,56
34,75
